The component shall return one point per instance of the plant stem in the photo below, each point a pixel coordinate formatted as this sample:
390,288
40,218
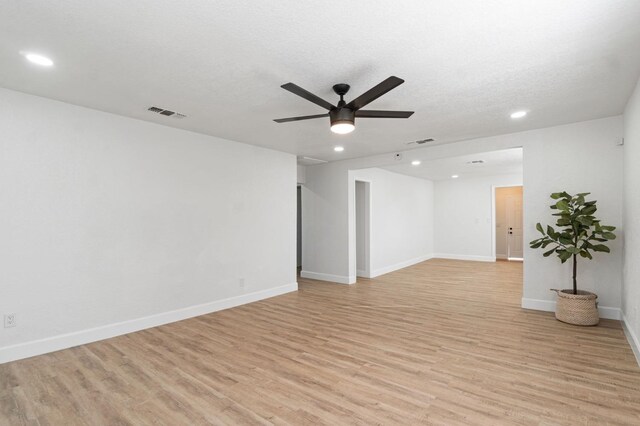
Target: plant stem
575,272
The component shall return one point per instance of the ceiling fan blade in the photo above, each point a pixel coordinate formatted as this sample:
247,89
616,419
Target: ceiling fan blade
297,90
304,117
367,113
374,93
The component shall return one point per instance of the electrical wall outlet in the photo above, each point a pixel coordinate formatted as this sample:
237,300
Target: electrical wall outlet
9,320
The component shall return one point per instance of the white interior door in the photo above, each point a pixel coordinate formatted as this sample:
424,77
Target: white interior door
514,227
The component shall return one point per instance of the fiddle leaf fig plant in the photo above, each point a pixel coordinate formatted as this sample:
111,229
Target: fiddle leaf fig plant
579,233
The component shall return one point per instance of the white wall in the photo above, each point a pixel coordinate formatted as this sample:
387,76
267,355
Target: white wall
463,216
111,224
575,157
631,287
301,174
583,157
325,223
363,228
401,219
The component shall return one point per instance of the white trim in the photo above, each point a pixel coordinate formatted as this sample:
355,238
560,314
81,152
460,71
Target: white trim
64,341
465,257
515,259
340,279
606,312
406,263
631,337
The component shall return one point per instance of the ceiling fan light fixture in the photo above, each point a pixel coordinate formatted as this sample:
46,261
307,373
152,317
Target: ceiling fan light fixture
342,127
342,120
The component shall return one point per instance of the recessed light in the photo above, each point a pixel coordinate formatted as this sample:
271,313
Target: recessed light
338,148
518,114
454,176
38,59
415,163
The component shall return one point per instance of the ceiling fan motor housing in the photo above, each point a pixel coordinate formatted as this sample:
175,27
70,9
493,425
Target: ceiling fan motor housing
342,115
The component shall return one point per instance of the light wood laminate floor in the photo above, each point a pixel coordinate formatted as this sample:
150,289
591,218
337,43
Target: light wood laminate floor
443,342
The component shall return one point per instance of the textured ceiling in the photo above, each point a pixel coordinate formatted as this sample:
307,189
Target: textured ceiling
467,64
506,161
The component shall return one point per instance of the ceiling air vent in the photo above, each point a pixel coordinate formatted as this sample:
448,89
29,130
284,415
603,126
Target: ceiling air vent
475,162
421,142
309,161
166,112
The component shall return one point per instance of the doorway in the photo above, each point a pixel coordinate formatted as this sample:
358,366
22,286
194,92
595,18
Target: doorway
509,241
363,228
299,231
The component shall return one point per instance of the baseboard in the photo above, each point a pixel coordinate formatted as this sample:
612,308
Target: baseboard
340,279
550,306
406,263
465,257
631,337
502,256
64,341
362,273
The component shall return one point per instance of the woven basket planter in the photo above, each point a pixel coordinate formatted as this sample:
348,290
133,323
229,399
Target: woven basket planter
577,309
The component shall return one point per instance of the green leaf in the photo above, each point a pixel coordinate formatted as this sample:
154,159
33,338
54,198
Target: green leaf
535,245
608,228
550,231
589,210
601,247
539,228
564,255
573,250
548,253
565,240
583,194
562,205
609,235
564,221
556,195
585,221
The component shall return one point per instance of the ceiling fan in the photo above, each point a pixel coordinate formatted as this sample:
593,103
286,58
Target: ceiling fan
343,115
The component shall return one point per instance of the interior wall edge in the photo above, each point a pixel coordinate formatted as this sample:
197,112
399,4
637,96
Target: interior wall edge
464,257
339,279
634,342
69,340
404,264
606,312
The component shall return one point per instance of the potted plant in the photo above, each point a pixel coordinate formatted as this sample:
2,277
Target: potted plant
579,234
